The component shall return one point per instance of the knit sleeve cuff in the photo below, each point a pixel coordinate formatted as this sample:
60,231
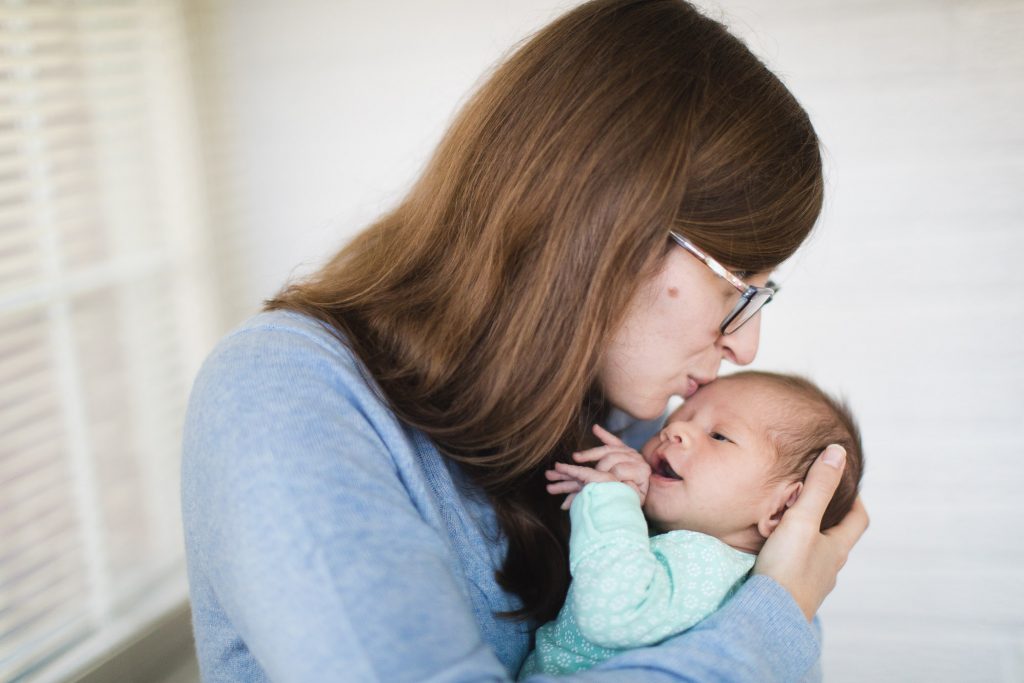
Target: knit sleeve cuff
785,642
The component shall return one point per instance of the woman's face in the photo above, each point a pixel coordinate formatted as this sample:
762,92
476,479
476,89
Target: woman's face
669,342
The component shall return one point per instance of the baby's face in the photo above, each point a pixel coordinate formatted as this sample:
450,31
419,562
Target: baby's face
712,461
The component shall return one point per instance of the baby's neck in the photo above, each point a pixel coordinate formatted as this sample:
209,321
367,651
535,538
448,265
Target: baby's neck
747,540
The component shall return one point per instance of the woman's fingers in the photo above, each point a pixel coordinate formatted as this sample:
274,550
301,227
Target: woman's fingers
853,526
797,555
607,437
819,486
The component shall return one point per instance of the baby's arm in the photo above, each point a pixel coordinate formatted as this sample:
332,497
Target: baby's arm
628,592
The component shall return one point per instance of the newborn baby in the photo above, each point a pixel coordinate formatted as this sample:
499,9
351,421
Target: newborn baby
713,484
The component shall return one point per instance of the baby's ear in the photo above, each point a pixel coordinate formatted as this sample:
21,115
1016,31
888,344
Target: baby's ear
781,500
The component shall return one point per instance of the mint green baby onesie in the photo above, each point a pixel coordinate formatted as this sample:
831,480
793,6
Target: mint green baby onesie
630,589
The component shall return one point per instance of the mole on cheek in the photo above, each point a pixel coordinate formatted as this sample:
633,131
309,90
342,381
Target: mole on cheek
673,292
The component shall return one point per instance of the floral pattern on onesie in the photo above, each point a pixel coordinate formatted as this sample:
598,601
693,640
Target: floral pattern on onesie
630,589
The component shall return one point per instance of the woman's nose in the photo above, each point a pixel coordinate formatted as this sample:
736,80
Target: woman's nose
740,347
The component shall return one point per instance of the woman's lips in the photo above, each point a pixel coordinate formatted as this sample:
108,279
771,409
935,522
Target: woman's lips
695,383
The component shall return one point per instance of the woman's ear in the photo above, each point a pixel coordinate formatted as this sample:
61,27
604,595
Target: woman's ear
780,501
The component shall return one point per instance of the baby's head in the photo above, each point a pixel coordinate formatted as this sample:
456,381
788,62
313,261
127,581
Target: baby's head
734,456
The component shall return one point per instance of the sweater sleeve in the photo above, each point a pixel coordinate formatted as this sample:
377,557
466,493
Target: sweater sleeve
630,590
302,535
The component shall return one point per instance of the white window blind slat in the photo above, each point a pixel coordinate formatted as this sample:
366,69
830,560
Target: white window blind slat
20,330
36,487
94,246
21,269
18,438
53,593
63,607
24,535
50,630
21,353
33,408
27,386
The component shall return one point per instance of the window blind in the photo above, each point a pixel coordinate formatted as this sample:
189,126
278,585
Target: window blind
101,316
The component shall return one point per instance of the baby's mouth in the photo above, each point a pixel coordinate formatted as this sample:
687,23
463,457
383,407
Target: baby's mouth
663,469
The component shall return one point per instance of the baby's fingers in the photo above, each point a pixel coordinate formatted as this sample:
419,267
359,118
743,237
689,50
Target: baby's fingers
583,474
595,454
555,475
613,460
561,487
607,437
631,471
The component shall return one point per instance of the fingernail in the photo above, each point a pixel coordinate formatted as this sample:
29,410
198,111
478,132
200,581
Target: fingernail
834,455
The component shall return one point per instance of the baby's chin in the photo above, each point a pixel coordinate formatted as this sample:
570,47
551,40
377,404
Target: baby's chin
657,523
660,523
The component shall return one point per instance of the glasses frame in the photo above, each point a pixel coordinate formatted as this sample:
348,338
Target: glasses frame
750,295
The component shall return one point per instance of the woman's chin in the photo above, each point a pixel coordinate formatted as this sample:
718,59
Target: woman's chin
645,408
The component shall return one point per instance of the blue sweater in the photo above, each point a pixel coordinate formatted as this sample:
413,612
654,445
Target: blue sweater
328,542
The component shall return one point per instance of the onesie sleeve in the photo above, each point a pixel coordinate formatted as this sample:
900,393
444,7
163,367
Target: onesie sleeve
630,590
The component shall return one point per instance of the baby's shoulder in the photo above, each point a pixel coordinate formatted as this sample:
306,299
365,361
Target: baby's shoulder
697,547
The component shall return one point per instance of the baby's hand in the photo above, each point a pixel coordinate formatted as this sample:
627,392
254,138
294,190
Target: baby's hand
571,479
615,461
618,459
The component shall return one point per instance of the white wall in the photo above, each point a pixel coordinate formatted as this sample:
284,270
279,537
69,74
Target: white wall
907,299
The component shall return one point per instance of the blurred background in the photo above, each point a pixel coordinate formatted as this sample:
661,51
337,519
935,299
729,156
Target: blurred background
167,164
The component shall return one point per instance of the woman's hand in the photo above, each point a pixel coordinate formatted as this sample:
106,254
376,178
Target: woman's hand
798,555
615,461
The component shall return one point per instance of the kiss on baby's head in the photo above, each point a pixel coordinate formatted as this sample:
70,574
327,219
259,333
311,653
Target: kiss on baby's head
733,457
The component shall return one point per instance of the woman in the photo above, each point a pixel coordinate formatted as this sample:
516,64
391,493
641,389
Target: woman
362,480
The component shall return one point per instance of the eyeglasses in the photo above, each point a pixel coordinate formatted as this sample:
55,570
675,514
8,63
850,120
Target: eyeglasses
753,298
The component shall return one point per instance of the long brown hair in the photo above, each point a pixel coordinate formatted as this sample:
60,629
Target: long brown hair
481,304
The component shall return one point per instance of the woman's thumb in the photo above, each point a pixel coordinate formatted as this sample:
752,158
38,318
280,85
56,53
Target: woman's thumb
820,484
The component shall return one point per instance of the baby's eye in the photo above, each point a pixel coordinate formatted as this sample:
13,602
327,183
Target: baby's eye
720,437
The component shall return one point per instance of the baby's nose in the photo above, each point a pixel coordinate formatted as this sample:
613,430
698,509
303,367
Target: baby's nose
675,432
